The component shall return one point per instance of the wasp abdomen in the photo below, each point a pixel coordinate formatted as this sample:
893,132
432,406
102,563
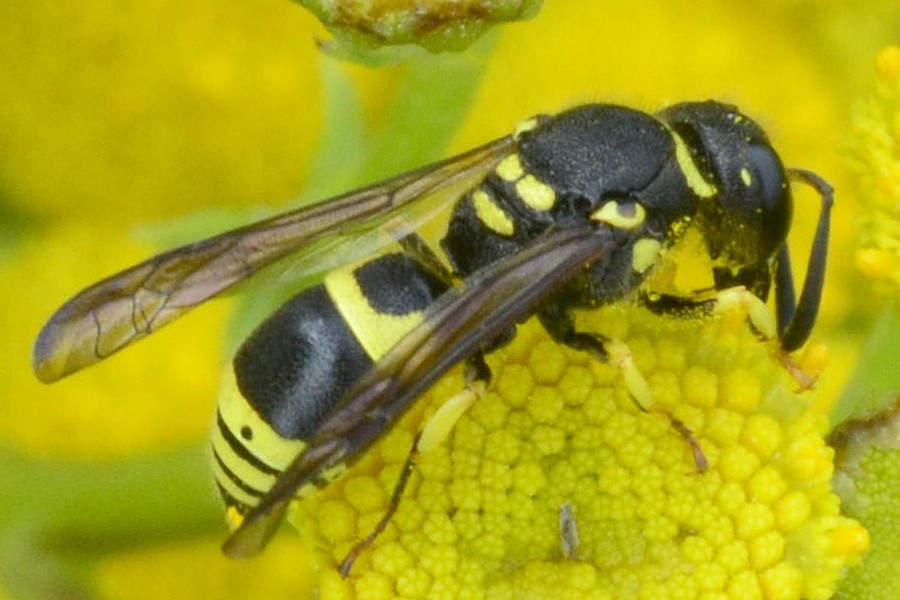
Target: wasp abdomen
297,365
300,361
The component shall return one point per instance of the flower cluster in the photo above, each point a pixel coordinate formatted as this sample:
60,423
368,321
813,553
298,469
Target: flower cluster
558,439
877,151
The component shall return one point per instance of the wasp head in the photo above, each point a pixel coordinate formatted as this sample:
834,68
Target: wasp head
747,220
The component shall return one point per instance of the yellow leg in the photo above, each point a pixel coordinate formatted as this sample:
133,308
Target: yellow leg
757,312
759,315
439,426
435,432
620,356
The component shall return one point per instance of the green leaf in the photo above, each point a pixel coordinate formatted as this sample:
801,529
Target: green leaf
876,381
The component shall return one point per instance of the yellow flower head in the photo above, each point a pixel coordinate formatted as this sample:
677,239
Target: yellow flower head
877,147
556,485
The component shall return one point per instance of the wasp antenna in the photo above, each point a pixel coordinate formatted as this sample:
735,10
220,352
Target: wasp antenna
796,323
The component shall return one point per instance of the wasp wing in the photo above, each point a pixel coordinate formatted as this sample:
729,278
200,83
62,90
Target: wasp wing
458,325
130,305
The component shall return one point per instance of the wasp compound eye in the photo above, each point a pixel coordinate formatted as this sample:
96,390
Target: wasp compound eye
771,194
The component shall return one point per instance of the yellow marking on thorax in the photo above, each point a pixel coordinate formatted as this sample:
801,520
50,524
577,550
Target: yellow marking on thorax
536,194
622,215
376,332
533,192
526,125
510,168
745,177
489,213
689,168
644,254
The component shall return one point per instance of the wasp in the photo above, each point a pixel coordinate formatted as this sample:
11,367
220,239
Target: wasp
571,211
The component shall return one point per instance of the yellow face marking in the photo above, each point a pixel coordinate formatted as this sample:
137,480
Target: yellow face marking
489,213
622,215
510,168
745,177
526,125
376,332
691,173
536,194
644,254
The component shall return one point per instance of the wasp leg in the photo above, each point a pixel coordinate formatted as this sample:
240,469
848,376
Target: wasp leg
435,432
439,426
716,303
700,460
762,320
354,552
759,315
559,324
796,319
561,328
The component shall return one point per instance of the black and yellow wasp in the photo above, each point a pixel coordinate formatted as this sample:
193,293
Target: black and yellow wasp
571,211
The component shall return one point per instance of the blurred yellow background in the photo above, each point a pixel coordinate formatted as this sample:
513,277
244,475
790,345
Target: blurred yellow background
118,119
